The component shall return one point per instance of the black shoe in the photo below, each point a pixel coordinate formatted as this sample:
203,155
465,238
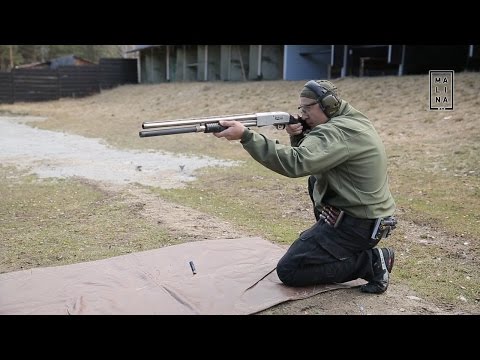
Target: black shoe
382,265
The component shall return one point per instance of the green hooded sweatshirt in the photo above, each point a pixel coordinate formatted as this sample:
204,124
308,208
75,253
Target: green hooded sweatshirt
347,157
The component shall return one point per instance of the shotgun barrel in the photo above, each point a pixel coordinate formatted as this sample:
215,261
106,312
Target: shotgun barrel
212,123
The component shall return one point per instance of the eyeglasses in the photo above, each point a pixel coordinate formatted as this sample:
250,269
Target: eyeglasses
305,108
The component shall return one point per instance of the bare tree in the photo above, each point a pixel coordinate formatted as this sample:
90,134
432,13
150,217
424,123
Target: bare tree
125,48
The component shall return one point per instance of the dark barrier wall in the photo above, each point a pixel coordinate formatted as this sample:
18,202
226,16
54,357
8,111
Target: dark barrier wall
67,81
6,88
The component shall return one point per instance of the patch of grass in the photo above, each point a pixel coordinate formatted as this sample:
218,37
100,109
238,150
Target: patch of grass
57,222
441,200
436,273
6,112
258,201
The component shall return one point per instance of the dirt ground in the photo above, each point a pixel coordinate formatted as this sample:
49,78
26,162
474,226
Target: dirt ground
396,301
180,220
448,150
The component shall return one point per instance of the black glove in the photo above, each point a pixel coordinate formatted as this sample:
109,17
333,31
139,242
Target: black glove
296,120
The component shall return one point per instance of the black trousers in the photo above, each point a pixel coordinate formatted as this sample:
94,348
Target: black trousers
324,254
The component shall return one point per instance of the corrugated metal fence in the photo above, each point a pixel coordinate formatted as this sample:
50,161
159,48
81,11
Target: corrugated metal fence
67,81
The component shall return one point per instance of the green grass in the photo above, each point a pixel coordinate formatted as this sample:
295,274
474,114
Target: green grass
259,201
440,200
57,222
435,272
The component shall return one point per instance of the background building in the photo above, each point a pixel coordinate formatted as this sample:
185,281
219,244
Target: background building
164,63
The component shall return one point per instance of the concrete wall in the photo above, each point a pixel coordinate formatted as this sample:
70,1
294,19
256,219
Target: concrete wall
224,62
304,62
266,62
212,54
179,62
153,65
234,64
171,68
191,63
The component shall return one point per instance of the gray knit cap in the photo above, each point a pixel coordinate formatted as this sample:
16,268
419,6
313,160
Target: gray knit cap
306,92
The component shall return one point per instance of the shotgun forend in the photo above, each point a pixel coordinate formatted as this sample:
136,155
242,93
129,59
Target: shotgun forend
212,124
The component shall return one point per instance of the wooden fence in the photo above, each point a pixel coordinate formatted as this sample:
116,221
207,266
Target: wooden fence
66,81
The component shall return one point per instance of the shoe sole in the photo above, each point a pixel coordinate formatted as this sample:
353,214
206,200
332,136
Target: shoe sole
391,259
370,287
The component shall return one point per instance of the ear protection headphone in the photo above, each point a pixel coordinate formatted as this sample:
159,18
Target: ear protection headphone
327,100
